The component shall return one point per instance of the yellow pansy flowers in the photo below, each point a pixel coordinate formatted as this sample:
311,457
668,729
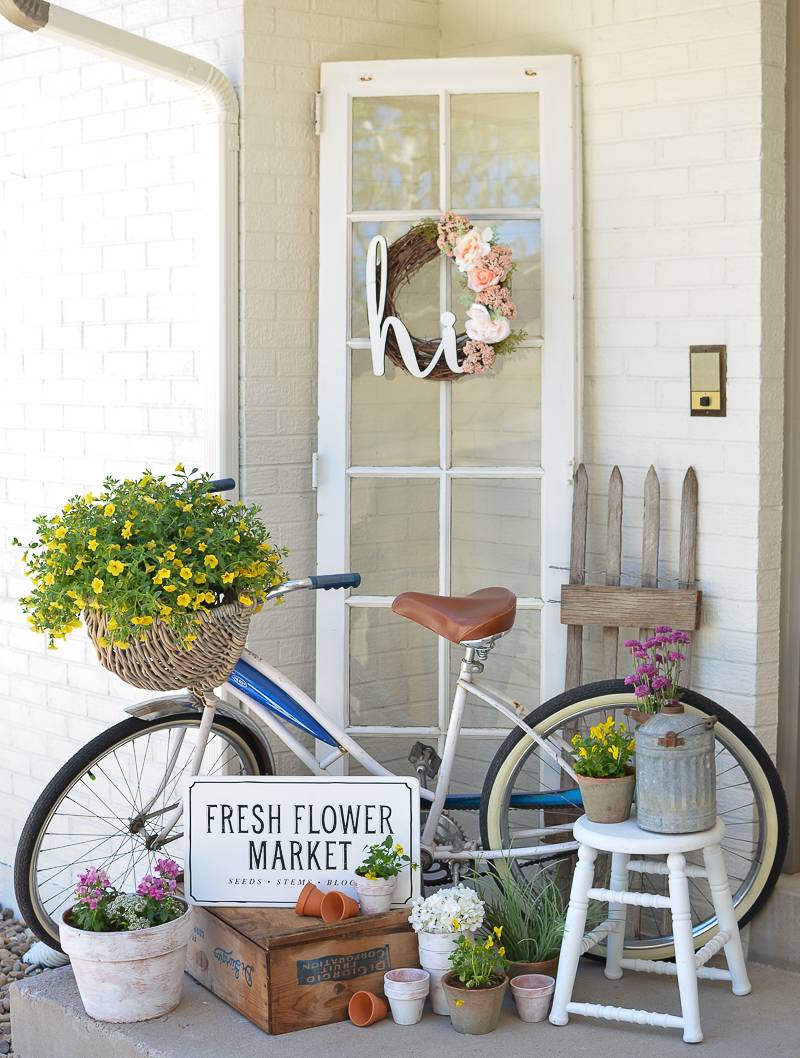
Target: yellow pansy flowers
130,552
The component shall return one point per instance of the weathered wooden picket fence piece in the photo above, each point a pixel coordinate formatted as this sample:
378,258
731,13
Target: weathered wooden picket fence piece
611,604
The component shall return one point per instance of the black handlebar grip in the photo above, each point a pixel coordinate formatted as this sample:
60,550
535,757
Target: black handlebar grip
222,485
326,581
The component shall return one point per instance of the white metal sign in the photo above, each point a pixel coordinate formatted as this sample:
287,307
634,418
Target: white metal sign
257,840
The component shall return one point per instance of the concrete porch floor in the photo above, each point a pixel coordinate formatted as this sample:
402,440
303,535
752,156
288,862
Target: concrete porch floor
48,1021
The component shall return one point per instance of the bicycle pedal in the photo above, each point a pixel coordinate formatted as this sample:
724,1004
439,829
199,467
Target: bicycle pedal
425,758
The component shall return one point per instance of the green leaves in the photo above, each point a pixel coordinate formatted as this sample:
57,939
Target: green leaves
385,859
604,752
147,550
480,963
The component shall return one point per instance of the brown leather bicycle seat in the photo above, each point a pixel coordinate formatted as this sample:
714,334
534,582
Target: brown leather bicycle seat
487,612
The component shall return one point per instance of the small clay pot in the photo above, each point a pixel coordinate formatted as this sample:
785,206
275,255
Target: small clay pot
607,800
309,902
336,907
473,1011
365,1008
533,994
638,715
549,967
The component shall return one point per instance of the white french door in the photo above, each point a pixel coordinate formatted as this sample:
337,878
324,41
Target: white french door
445,487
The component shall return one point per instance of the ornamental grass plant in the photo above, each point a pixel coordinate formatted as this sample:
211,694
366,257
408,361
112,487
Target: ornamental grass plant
145,550
530,911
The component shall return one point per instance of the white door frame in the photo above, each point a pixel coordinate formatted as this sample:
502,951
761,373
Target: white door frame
556,79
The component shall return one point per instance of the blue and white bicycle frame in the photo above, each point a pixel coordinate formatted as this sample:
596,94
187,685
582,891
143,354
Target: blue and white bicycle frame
282,706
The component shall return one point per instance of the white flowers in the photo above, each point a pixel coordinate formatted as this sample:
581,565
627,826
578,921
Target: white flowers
471,247
481,327
453,910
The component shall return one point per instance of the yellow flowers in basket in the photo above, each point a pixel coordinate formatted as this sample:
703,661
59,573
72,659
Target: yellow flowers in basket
147,550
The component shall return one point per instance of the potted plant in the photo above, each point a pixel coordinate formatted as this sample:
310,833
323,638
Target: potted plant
605,778
128,950
656,678
376,877
166,576
531,913
439,921
477,983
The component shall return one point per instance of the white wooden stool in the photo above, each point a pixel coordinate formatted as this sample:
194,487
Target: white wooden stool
624,841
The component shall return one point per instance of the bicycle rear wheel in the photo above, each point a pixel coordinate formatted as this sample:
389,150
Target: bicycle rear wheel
750,798
97,810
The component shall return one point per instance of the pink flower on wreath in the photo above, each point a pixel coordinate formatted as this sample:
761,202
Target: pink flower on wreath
498,299
497,260
482,327
451,227
478,358
471,247
481,278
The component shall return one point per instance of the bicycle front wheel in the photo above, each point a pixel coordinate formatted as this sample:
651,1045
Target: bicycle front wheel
105,807
750,800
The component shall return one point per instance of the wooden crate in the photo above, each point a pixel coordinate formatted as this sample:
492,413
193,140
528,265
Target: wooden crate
284,972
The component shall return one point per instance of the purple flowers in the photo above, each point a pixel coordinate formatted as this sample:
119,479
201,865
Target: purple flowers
655,680
92,887
159,888
101,908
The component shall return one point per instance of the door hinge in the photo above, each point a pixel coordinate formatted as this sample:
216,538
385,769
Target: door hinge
315,470
317,113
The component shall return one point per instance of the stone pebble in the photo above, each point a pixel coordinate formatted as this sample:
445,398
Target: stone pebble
15,939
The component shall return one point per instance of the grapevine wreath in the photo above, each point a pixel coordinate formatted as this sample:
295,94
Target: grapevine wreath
486,269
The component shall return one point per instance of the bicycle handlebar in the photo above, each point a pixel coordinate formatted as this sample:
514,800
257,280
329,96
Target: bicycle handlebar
221,485
326,581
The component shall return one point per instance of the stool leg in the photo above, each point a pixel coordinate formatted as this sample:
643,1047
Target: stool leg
684,947
617,914
574,928
726,916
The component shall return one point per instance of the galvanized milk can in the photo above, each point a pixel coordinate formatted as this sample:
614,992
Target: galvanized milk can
676,783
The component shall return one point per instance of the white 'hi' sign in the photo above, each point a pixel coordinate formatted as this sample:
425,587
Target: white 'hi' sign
257,840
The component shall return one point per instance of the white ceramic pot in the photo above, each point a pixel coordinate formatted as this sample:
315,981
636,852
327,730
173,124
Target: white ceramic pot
434,956
375,894
406,990
130,975
533,994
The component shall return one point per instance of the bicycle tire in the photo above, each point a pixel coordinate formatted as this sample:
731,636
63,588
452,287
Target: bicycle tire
96,749
562,708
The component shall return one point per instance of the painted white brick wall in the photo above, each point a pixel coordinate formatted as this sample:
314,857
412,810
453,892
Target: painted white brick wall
683,241
98,273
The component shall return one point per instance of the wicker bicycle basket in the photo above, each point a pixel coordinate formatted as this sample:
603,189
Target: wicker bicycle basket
158,662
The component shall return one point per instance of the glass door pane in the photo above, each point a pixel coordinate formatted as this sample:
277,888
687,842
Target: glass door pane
401,523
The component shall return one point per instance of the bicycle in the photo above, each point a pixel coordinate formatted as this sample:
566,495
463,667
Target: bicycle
117,802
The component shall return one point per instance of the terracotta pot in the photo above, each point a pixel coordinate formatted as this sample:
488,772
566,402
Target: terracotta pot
549,967
129,975
309,901
375,894
533,994
336,906
365,1008
607,800
473,1011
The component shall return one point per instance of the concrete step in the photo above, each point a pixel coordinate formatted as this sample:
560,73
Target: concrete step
775,931
48,1021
